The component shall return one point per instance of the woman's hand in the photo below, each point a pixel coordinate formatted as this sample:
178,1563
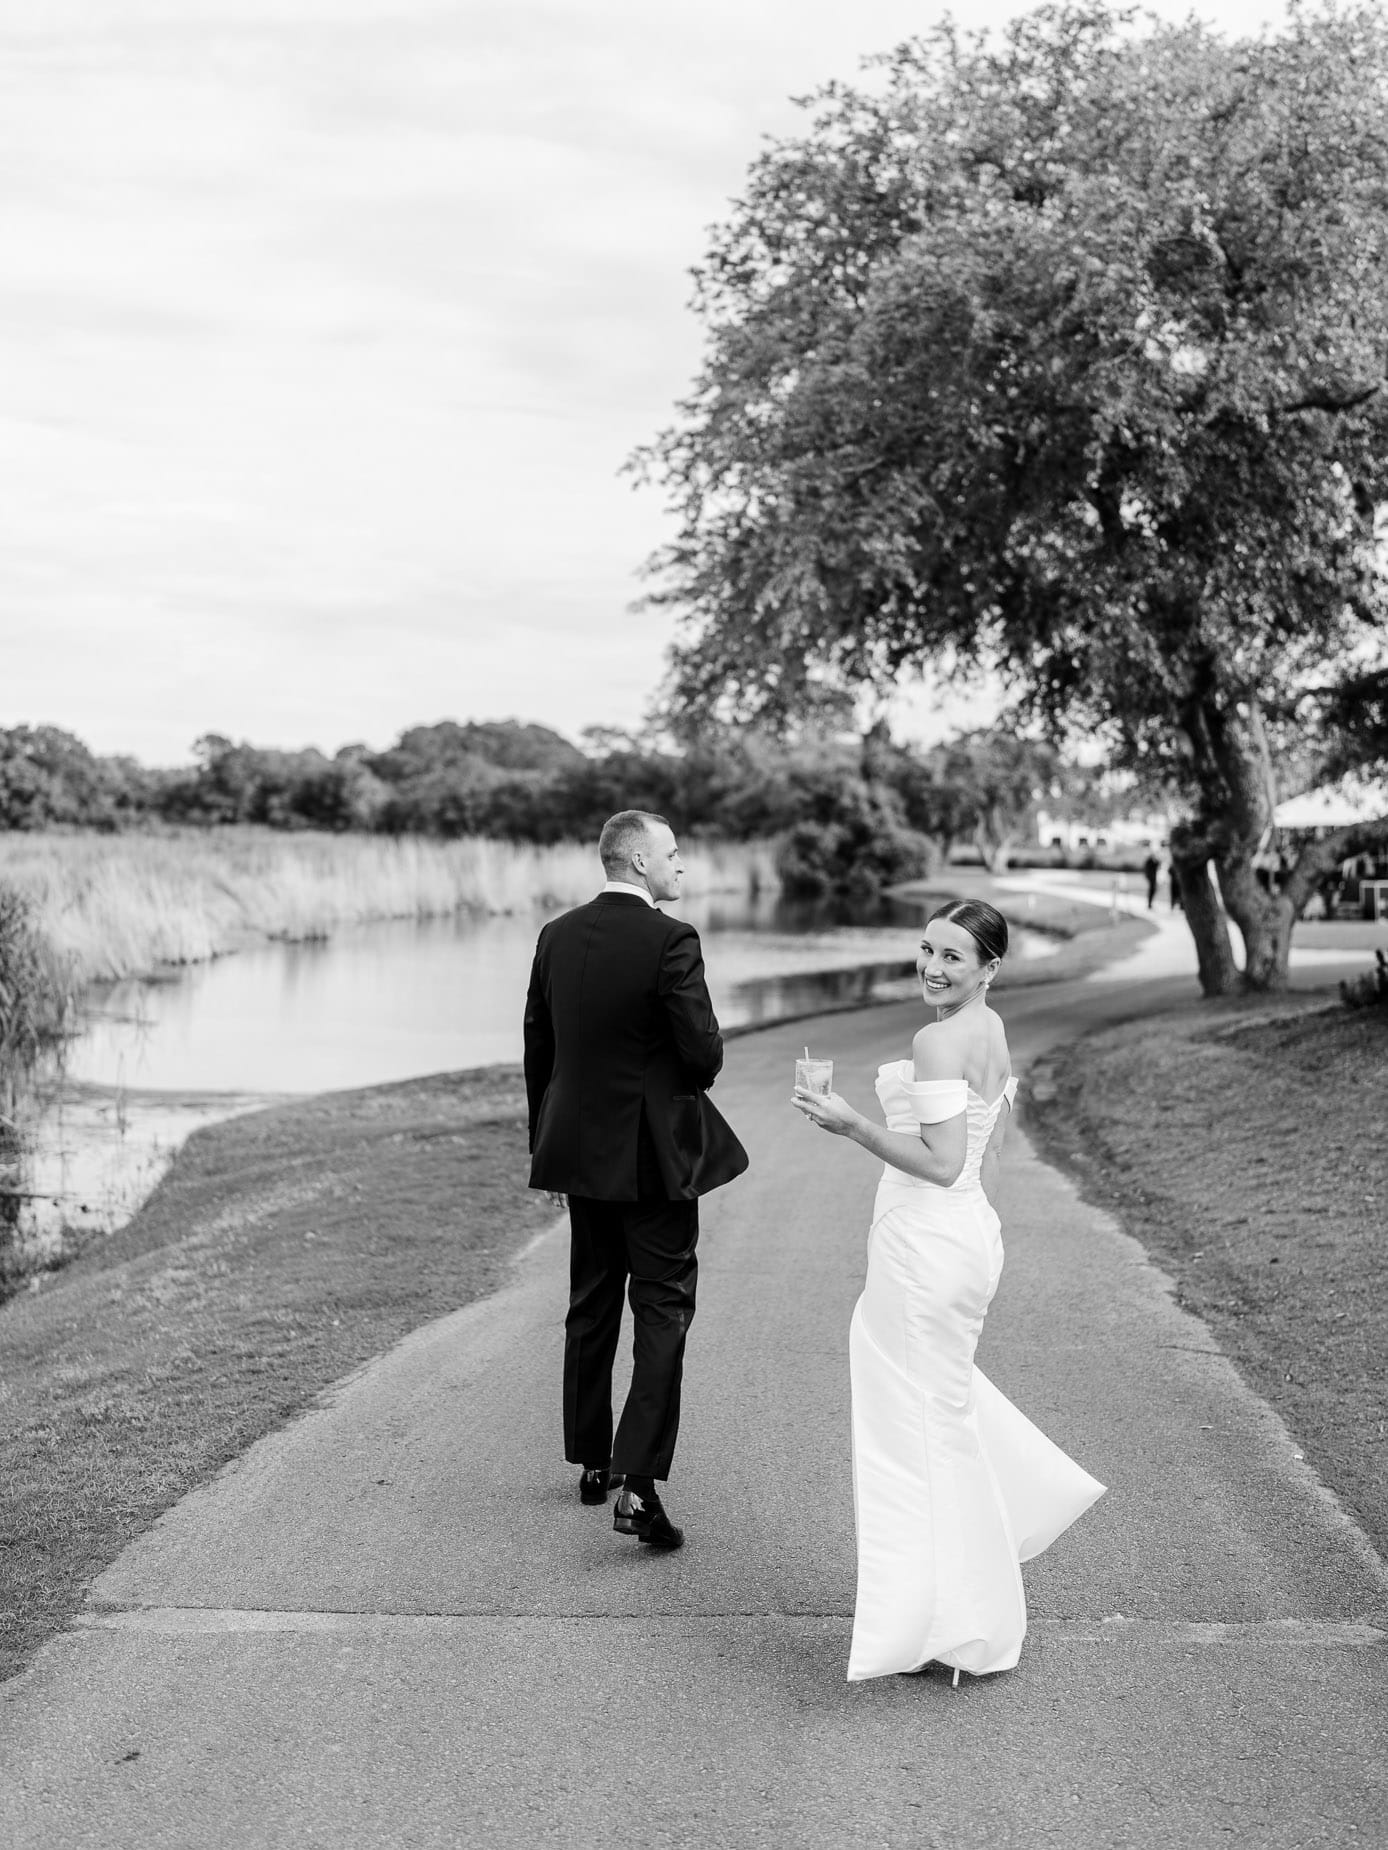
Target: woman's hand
827,1110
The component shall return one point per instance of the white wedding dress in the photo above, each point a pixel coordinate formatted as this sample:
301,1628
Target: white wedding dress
953,1488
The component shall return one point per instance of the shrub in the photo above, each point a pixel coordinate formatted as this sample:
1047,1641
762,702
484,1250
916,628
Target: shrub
856,843
1369,990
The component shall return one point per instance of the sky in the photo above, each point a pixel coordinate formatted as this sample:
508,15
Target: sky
326,327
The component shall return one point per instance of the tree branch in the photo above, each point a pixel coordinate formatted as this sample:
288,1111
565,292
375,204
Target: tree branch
1317,858
1333,402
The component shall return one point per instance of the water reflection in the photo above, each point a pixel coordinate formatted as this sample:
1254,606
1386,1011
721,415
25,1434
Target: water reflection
401,998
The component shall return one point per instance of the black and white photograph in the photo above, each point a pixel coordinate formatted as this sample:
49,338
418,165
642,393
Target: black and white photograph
693,925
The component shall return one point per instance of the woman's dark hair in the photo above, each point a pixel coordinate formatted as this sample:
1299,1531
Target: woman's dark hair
984,924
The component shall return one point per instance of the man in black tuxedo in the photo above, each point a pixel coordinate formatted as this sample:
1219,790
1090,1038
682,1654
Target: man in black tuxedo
621,1046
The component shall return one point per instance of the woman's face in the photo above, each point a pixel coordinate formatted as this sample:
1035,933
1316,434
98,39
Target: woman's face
949,965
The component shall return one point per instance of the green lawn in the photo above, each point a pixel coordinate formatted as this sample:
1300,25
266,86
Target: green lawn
1246,1145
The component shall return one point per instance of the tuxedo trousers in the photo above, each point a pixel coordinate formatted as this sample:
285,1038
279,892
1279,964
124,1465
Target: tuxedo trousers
643,1250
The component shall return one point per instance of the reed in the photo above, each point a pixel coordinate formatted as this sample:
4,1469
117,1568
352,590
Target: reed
110,906
37,986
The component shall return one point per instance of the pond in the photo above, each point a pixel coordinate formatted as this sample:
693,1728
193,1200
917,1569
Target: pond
159,1056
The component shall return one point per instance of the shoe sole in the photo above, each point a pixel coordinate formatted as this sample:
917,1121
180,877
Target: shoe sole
627,1525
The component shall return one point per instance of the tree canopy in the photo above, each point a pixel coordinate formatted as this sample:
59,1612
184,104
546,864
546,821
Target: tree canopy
1063,353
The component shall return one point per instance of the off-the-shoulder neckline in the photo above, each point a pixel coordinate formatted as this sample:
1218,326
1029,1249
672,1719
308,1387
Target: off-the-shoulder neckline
1011,1080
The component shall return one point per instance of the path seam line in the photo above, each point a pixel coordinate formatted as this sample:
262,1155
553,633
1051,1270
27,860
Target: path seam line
213,1620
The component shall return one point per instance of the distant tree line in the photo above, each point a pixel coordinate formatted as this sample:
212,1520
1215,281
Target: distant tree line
850,813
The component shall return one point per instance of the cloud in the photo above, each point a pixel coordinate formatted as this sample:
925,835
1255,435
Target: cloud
338,319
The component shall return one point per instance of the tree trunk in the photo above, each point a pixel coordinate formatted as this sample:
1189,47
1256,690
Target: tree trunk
1208,921
933,859
941,847
1264,919
994,847
1234,772
1267,944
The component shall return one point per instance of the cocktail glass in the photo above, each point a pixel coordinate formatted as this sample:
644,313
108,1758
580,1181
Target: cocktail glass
815,1076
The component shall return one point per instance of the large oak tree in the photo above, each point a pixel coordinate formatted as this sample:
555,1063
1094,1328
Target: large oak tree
1063,353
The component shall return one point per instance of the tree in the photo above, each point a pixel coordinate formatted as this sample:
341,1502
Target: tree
1063,354
48,778
1358,713
850,840
1006,777
506,745
988,785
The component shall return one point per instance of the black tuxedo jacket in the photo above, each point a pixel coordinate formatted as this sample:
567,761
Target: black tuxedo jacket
621,1046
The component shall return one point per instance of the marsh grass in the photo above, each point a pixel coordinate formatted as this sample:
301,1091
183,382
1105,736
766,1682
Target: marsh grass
37,983
36,1000
111,906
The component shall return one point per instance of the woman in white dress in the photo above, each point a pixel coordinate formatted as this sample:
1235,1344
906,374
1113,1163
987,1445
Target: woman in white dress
953,1488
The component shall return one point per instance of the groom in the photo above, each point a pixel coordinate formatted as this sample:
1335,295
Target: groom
621,1046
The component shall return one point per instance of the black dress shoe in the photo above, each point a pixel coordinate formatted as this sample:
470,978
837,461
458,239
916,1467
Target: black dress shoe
594,1485
642,1514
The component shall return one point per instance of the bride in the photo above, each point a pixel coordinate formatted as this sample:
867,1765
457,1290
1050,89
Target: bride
952,1486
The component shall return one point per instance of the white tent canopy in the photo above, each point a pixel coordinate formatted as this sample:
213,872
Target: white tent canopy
1334,806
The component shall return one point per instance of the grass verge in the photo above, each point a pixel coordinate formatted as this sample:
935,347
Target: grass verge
1243,1144
283,1249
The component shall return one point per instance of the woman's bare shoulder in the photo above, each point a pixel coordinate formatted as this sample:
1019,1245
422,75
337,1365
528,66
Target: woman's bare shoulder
970,1046
938,1051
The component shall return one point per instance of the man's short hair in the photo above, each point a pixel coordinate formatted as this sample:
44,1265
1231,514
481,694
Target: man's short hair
626,834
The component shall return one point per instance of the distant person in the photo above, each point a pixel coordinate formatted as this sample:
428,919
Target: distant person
621,1046
1174,887
1151,869
953,1487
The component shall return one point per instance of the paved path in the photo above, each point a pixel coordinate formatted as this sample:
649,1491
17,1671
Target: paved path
392,1623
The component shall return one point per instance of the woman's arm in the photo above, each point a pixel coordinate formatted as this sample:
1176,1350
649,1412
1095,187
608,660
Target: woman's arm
936,1155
